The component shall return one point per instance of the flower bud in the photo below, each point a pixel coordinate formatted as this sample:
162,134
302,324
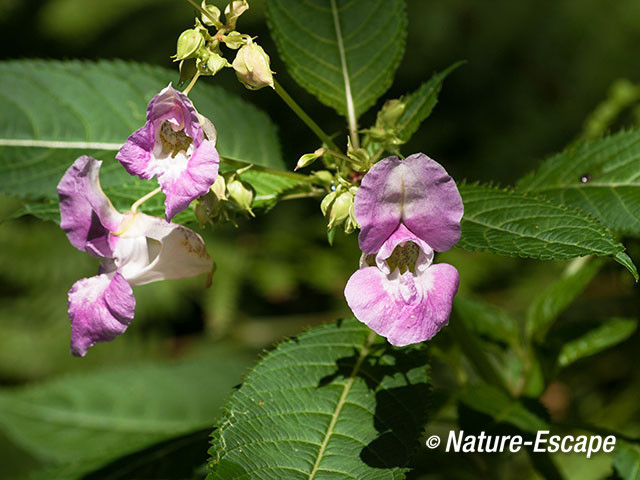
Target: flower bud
216,62
189,42
235,40
308,158
242,194
213,19
340,209
252,67
391,112
219,188
323,177
232,12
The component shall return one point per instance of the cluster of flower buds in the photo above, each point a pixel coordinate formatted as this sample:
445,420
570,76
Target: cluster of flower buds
338,207
386,129
228,197
199,52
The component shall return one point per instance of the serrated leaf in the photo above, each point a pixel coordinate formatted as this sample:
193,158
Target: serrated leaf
345,52
548,305
105,414
607,335
601,178
336,401
626,460
420,104
51,112
511,223
498,405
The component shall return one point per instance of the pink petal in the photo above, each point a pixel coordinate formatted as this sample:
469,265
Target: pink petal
182,187
405,308
416,191
100,309
86,214
135,154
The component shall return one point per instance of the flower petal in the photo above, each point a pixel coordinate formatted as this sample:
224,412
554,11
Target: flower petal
401,236
86,214
152,249
416,191
135,154
405,308
182,185
100,309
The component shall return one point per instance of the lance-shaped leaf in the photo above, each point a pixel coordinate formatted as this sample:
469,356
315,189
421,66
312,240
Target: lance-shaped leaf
51,112
511,223
601,178
345,52
420,104
335,402
607,335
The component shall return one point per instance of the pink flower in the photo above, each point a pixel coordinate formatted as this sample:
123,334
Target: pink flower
135,249
407,209
172,145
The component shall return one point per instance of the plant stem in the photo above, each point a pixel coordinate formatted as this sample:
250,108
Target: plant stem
140,201
191,83
303,116
203,11
471,349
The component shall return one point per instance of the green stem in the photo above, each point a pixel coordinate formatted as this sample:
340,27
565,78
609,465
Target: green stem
203,11
140,201
471,349
315,128
281,173
191,83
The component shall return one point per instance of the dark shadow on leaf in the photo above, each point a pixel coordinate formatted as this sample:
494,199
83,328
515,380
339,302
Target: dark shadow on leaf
402,395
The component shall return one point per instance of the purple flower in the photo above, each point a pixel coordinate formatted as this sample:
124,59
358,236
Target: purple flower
407,209
172,145
135,249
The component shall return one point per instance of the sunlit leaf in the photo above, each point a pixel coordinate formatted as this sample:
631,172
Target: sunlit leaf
336,401
344,52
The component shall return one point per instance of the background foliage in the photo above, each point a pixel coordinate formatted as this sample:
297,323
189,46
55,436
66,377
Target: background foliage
535,75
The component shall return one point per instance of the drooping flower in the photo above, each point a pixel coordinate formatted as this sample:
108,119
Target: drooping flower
407,209
177,145
135,249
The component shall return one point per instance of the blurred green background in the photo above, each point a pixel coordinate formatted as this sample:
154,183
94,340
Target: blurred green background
535,70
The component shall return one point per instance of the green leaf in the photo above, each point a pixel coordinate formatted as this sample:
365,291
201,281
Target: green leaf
498,405
344,52
626,460
105,414
549,304
607,335
511,223
420,104
337,401
51,112
486,319
611,168
177,458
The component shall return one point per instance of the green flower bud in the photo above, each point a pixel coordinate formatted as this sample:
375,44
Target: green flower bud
235,40
202,209
242,194
308,158
327,201
252,67
219,188
391,112
323,177
189,42
216,62
340,209
213,19
233,11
